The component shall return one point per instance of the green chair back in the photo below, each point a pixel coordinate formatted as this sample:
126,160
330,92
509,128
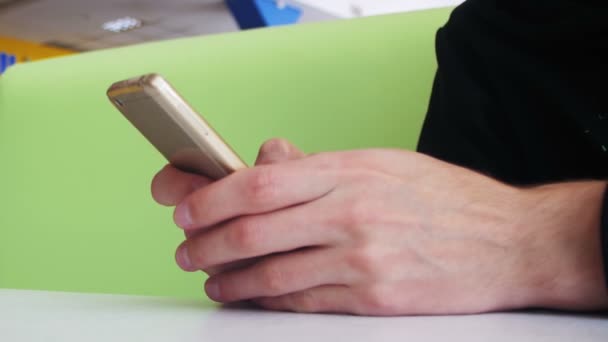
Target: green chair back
75,207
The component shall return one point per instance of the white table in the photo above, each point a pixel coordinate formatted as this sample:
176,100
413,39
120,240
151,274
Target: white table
44,316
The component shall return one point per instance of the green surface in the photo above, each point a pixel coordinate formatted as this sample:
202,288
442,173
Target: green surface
76,214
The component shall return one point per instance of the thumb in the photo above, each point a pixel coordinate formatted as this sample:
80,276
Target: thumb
277,150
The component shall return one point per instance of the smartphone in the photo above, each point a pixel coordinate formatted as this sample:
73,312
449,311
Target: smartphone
177,131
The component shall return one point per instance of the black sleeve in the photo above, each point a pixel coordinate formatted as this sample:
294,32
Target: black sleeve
510,99
604,234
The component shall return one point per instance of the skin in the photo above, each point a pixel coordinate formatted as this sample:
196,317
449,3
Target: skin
386,232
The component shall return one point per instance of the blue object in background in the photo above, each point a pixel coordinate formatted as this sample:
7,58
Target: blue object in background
3,62
12,60
261,13
6,61
274,15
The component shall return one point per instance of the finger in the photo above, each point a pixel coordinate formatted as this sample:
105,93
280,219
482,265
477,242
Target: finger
277,150
233,266
170,186
252,236
323,299
257,190
213,270
280,275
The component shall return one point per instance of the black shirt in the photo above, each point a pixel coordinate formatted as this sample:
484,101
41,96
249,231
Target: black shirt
521,92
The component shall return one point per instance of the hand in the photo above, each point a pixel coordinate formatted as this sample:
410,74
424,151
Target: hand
387,232
171,186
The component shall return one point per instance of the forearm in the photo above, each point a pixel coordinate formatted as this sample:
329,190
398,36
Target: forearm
563,234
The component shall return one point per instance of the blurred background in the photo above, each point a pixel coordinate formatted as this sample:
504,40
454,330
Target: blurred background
75,176
36,29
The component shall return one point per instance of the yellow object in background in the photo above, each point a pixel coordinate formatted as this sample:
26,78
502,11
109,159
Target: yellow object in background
28,51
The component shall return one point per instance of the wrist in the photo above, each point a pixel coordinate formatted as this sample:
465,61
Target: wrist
561,238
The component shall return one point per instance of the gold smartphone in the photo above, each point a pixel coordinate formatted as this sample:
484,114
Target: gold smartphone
177,131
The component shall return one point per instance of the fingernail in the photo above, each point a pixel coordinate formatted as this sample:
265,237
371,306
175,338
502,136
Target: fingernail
182,216
183,259
213,290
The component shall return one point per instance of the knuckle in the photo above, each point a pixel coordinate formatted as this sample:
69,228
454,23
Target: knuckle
159,189
195,207
378,300
273,279
356,213
266,303
156,188
305,302
326,161
367,262
213,270
263,185
198,257
246,235
361,210
275,145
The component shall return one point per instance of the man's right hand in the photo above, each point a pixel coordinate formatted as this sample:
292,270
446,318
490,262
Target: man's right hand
271,152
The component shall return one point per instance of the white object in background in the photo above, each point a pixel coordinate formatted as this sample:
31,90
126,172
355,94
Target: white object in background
122,24
281,3
354,8
370,7
339,8
28,316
